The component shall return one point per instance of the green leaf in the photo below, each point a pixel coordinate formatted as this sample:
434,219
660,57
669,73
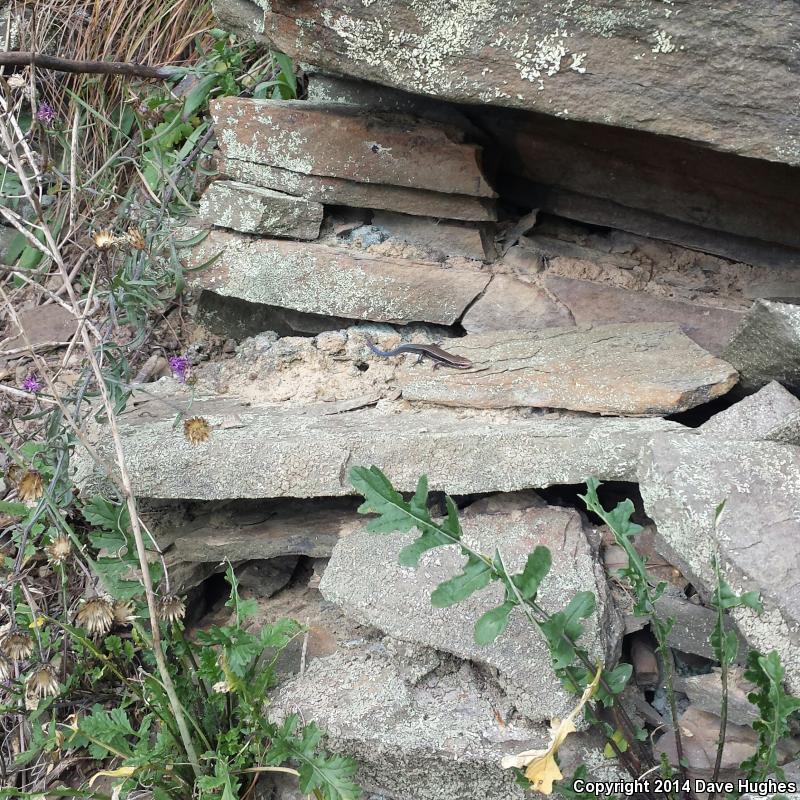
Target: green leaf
198,95
536,569
564,628
476,575
15,509
106,514
493,623
381,498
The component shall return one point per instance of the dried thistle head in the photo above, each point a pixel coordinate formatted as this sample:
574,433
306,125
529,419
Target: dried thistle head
30,487
96,615
196,430
16,645
5,669
58,551
104,240
42,682
123,613
135,239
171,608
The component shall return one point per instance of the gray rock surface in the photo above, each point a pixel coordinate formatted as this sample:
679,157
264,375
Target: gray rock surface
787,431
442,238
265,577
757,540
263,532
642,369
340,282
338,191
253,209
643,65
397,599
763,415
508,303
705,693
440,736
341,141
766,346
597,303
307,451
693,624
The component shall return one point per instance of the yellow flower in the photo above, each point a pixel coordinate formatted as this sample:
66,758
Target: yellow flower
541,767
196,430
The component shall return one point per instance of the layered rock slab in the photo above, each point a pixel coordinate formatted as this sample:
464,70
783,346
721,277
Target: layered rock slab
592,303
439,736
339,282
253,209
306,451
338,191
341,141
757,540
637,369
398,599
586,61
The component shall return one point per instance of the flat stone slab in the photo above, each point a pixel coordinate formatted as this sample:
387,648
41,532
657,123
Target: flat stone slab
767,414
683,480
593,303
43,327
335,281
442,736
253,209
341,192
638,369
444,238
508,303
343,141
705,693
397,600
264,533
766,346
306,451
589,61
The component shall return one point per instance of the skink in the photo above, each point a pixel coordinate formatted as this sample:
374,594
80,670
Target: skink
436,354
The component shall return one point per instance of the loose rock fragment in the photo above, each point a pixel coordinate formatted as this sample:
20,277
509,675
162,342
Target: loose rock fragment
766,346
253,209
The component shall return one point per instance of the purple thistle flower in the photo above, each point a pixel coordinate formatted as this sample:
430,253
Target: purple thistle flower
180,367
46,114
31,384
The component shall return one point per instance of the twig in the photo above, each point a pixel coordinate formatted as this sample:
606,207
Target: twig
24,59
27,395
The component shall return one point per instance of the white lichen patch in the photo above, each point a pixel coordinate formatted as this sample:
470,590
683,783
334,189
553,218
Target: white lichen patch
446,32
663,42
577,62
